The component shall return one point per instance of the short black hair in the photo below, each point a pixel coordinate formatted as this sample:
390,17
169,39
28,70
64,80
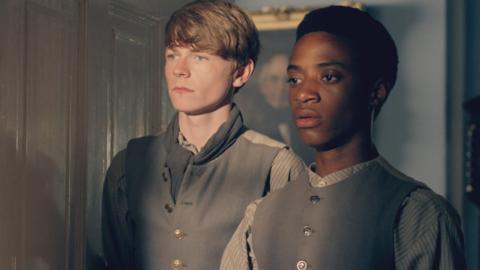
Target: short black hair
376,48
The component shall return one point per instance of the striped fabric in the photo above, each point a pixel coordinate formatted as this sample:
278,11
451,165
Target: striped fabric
427,236
286,165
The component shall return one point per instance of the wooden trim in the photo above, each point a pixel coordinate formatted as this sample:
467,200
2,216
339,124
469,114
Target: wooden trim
78,187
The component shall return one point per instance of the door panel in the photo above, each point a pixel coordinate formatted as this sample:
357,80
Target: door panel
135,77
39,126
51,57
11,131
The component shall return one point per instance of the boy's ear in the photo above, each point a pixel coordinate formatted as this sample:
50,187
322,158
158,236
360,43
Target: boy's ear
379,94
243,73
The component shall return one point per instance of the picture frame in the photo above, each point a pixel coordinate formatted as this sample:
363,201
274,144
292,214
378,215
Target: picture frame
264,99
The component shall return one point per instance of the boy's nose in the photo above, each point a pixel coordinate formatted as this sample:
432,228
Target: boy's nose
181,69
306,94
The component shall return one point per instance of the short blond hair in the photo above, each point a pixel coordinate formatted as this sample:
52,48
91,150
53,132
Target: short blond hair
214,26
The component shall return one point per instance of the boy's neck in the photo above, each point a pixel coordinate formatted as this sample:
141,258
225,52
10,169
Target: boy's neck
198,129
359,150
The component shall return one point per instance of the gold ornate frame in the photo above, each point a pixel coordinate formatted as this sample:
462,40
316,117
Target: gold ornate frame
284,17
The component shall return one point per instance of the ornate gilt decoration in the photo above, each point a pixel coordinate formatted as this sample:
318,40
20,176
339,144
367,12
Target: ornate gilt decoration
285,17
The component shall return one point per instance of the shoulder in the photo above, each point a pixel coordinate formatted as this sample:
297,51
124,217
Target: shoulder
144,140
117,167
426,218
424,204
255,137
287,158
428,233
138,148
286,167
392,171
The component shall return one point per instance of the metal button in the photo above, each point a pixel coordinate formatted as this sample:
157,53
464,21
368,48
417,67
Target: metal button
307,230
302,265
314,199
169,208
177,264
322,184
179,234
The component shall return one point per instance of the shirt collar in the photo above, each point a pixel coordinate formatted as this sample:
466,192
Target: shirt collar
182,141
338,176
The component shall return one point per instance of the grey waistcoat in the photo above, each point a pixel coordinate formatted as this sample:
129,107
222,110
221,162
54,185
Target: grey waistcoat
348,225
192,231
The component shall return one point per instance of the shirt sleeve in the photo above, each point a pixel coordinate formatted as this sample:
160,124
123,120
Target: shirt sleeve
286,167
238,255
116,234
428,234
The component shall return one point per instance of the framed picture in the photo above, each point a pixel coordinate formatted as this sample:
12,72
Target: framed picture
264,99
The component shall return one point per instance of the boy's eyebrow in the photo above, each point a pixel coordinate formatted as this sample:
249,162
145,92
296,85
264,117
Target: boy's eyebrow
332,63
292,67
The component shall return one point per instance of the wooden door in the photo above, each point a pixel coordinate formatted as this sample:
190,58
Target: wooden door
41,156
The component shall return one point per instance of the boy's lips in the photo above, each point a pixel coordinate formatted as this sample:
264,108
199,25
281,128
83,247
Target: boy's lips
307,119
182,89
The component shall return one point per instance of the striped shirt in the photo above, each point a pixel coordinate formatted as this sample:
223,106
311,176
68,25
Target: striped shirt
427,234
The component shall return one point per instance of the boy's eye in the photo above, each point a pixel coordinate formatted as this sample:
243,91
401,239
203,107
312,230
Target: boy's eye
331,77
200,57
170,55
292,81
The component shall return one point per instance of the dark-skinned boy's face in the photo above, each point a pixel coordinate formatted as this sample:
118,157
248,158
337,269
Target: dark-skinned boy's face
328,103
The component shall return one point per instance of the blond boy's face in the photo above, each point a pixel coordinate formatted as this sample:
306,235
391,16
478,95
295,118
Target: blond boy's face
198,82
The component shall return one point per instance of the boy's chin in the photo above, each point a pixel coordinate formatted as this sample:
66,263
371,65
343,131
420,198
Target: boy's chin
193,111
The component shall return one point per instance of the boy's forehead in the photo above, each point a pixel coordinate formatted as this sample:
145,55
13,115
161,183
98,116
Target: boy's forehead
197,46
189,47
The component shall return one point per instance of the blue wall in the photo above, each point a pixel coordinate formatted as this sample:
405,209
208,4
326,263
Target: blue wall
473,48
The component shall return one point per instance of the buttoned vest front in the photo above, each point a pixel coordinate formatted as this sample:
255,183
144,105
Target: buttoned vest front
192,231
347,225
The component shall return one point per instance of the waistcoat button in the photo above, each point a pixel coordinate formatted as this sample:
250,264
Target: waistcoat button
314,199
177,264
302,265
179,234
169,208
307,230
